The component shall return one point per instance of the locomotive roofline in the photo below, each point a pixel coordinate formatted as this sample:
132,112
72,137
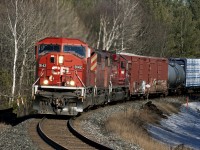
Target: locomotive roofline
61,40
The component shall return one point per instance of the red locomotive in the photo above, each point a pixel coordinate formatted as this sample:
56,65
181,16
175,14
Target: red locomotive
70,76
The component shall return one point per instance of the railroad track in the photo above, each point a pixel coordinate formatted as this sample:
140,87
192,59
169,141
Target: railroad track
60,134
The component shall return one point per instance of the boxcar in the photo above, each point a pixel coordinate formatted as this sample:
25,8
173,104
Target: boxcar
147,75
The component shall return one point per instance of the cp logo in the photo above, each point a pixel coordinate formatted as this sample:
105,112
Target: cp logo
56,70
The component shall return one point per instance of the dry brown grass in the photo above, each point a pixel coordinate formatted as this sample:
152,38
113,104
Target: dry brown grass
168,108
130,125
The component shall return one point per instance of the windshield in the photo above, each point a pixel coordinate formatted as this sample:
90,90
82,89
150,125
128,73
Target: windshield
45,48
77,50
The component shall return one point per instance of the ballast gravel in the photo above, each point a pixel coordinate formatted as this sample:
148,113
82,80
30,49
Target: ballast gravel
94,124
16,138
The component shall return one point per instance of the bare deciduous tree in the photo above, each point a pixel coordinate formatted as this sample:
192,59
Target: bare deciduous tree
63,20
13,25
119,23
23,29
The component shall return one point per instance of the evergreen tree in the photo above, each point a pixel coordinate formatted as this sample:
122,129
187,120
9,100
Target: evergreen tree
180,19
183,35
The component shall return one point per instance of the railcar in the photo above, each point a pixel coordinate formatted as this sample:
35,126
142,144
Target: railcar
176,77
147,75
187,74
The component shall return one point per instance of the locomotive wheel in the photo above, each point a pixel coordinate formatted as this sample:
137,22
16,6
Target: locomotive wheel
106,99
128,97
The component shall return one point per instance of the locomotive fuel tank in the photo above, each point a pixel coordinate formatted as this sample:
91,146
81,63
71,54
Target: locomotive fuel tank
176,74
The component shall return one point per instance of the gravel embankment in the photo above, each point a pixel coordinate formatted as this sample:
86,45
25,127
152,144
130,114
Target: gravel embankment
16,138
94,124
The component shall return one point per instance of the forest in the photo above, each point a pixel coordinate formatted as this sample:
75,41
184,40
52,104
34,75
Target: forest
162,28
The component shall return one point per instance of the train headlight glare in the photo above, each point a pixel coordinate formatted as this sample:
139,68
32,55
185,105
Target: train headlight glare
72,83
61,59
45,82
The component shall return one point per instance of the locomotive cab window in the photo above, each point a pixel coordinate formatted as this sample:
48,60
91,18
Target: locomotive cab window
77,50
45,48
99,58
123,64
107,62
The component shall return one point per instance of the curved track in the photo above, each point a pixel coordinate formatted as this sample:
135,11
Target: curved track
84,138
60,134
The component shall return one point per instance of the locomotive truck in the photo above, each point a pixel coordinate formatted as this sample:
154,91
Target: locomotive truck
71,76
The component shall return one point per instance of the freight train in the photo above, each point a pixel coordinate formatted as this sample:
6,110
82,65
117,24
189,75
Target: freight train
71,76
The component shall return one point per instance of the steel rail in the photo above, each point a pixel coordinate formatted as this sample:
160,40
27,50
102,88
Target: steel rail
84,138
47,139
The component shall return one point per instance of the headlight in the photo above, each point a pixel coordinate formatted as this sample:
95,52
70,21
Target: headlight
61,59
45,82
72,83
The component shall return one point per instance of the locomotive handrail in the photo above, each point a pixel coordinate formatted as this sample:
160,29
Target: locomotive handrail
110,85
95,90
79,79
36,82
84,91
38,77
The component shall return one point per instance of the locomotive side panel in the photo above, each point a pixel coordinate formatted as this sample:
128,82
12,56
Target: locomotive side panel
91,70
100,72
98,78
103,70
